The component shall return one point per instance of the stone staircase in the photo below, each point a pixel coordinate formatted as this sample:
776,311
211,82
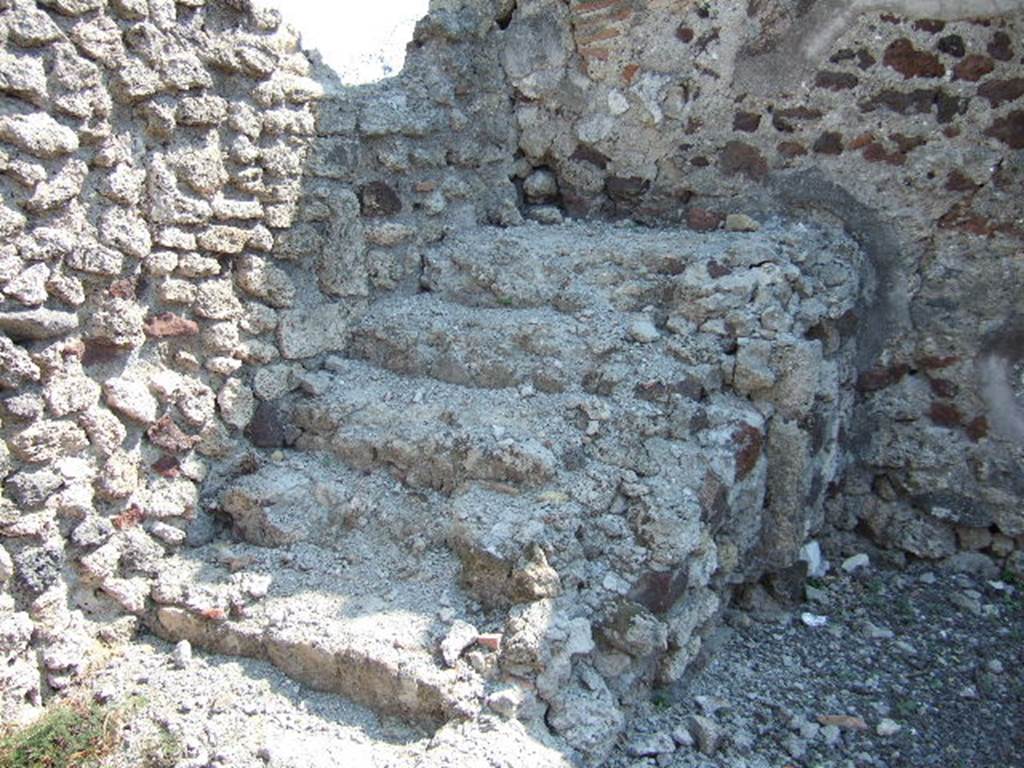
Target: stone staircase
563,438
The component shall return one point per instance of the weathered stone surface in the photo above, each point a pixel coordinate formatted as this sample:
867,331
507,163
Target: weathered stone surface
38,324
307,332
216,300
169,325
118,322
48,441
259,278
38,134
236,403
132,398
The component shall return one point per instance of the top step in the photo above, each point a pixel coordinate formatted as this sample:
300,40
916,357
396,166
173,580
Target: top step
600,266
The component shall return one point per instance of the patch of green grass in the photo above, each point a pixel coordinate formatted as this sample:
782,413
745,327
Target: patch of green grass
67,736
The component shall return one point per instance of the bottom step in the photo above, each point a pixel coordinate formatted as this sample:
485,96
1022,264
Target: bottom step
351,607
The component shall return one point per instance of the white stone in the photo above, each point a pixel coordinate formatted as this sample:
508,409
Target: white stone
131,398
643,331
236,403
460,636
851,564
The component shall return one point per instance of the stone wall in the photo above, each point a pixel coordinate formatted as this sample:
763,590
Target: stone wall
192,213
905,122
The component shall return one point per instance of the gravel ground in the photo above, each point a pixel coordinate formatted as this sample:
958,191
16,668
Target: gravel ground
876,669
924,668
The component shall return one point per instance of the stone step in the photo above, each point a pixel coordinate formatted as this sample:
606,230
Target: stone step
785,279
569,267
341,580
431,434
423,335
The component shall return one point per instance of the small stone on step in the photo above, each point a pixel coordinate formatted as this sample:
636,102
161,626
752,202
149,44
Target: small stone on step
460,636
843,722
182,654
851,564
651,745
643,331
705,733
740,222
888,727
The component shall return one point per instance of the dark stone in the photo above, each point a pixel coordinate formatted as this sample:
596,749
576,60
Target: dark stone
1001,47
378,199
716,270
875,152
740,158
949,106
902,56
167,466
791,149
265,429
936,362
700,162
977,429
945,415
714,500
836,81
787,585
783,119
585,154
865,60
879,378
684,33
663,392
1000,92
958,182
952,45
1009,129
38,568
943,388
918,101
749,441
626,189
931,26
659,591
829,143
908,143
817,427
168,324
973,68
703,220
746,121
98,352
168,436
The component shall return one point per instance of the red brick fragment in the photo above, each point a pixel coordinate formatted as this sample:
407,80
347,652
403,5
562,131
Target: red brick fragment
902,56
168,324
945,415
703,220
973,68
